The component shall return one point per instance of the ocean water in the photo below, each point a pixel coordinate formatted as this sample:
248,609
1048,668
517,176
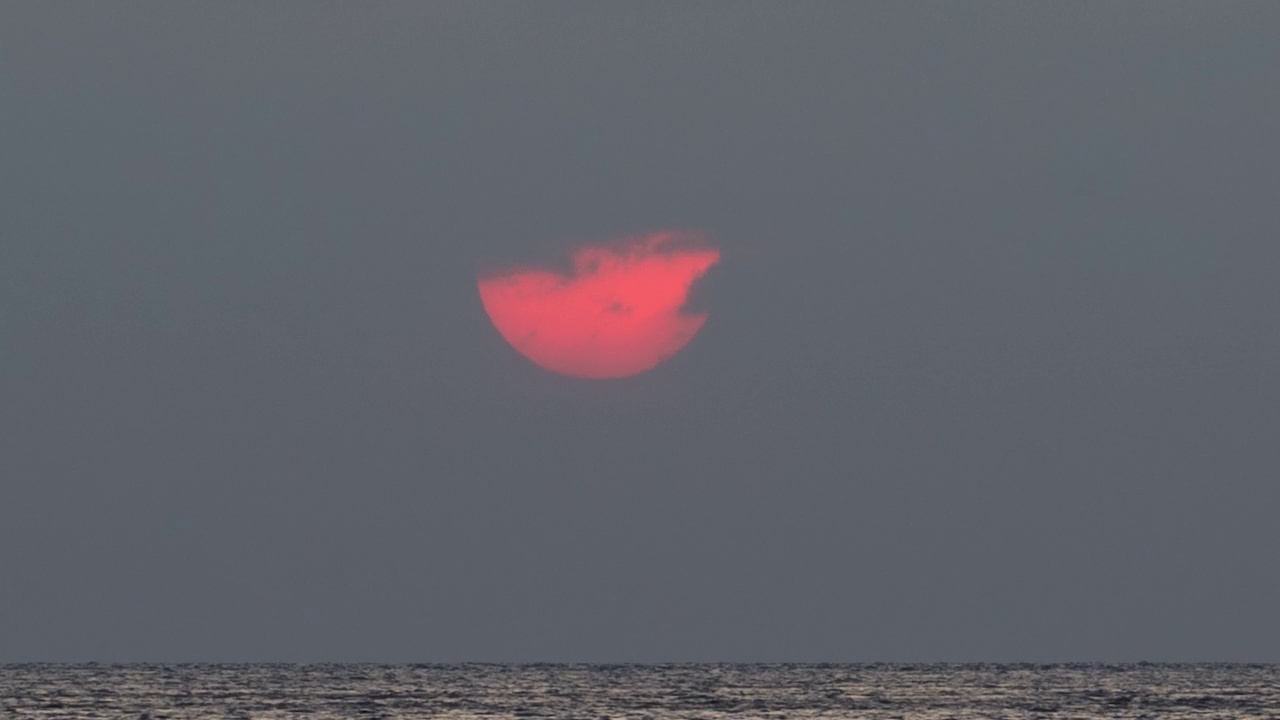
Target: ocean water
640,691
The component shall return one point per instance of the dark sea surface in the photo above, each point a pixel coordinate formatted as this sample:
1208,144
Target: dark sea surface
639,691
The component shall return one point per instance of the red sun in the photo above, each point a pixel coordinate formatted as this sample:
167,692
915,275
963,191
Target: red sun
618,313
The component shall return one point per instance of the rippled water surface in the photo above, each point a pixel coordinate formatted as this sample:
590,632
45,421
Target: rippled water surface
626,691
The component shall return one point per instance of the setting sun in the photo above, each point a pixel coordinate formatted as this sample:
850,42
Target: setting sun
619,312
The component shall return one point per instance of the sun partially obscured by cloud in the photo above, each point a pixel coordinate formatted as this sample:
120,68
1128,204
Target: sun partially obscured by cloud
618,312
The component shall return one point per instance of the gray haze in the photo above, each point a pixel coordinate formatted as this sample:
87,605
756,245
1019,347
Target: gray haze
990,372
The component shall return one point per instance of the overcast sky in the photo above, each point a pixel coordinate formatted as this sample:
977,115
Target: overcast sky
990,370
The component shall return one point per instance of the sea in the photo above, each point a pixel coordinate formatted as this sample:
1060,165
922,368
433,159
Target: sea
594,692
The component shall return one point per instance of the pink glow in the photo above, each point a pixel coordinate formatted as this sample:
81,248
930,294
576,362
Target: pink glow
619,313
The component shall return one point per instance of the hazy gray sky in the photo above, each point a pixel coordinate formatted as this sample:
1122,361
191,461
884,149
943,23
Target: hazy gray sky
990,371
